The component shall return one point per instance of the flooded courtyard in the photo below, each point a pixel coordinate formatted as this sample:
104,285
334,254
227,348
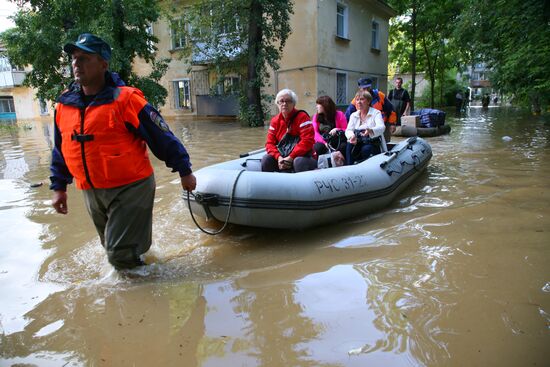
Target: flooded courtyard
455,272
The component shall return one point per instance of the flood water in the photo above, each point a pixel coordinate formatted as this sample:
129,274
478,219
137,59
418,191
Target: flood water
455,272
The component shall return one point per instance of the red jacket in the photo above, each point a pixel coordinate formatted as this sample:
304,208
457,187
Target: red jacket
299,124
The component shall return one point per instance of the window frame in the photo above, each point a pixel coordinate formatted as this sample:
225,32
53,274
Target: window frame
178,39
375,35
150,31
186,104
229,85
344,17
344,99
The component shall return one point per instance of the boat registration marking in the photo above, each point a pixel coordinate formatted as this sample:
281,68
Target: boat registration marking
339,184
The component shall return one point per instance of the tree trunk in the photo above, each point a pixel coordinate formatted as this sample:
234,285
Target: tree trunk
535,104
441,77
413,55
255,115
118,35
431,71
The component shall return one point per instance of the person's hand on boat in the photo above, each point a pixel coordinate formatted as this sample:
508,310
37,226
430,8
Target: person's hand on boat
189,182
367,132
59,201
285,163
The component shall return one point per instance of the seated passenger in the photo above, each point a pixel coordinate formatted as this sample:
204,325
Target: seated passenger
365,131
329,125
290,138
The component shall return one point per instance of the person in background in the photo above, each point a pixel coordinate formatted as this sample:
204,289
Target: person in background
400,100
459,101
102,129
329,125
466,98
365,131
379,102
290,138
485,100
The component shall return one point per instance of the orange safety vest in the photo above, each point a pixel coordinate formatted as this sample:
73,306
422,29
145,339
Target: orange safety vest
99,150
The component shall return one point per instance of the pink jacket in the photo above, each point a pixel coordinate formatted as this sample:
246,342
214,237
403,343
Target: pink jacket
341,124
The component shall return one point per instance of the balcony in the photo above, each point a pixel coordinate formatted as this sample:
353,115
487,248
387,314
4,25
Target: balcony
11,79
480,84
204,54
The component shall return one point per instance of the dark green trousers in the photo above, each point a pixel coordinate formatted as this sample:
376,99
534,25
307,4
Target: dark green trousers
123,218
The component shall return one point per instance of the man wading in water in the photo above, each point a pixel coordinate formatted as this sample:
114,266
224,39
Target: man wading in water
102,130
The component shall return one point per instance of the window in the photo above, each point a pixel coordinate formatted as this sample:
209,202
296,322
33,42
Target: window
150,44
374,82
5,64
341,21
229,85
7,105
341,88
177,31
182,94
43,107
231,25
375,35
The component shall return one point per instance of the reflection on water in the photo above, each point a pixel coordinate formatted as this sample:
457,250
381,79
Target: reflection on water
454,272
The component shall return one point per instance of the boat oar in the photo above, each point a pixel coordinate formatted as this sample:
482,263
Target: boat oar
252,153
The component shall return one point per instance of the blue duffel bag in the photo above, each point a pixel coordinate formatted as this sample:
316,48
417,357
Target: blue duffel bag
430,117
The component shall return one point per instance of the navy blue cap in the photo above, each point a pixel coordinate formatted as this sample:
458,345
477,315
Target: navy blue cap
90,43
364,82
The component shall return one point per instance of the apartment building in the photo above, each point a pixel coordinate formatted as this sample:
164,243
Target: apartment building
331,45
16,100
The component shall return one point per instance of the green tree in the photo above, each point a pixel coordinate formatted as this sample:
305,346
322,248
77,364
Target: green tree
242,37
422,42
513,38
403,40
42,27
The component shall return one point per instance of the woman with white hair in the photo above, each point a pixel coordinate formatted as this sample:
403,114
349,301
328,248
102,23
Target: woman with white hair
290,138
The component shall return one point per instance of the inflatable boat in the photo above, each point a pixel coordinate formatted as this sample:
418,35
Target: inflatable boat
238,192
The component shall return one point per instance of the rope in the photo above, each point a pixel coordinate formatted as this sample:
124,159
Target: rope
228,212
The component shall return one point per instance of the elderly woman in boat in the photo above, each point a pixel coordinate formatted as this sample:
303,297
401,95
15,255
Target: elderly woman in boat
365,131
290,138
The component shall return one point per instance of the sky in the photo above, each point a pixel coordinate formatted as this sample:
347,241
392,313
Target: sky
6,9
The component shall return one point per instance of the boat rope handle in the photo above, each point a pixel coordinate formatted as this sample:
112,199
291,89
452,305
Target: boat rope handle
228,212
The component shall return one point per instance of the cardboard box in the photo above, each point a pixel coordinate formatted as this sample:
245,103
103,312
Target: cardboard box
413,120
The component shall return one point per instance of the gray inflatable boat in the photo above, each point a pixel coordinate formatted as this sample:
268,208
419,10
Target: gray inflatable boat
237,192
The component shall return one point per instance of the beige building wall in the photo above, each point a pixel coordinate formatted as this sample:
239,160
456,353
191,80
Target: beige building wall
27,106
297,69
314,53
178,70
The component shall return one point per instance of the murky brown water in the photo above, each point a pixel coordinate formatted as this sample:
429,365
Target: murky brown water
454,273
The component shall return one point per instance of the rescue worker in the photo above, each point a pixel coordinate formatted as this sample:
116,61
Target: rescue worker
400,100
102,130
379,102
